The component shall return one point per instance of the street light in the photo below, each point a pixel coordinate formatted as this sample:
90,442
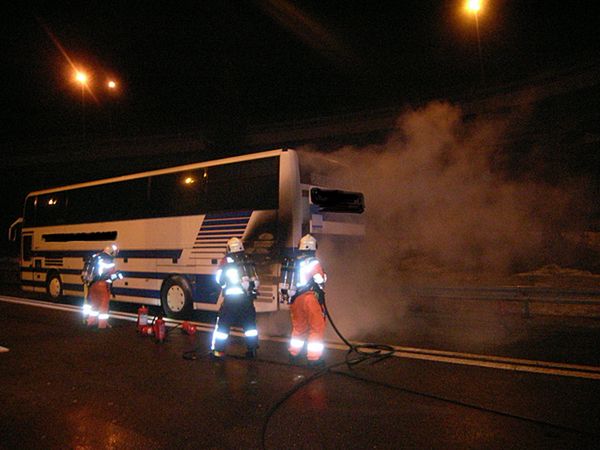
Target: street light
473,7
113,88
82,78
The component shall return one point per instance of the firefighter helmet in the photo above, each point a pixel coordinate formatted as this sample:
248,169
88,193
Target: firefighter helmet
112,250
307,243
235,245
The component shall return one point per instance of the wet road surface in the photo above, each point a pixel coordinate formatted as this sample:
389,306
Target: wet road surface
65,386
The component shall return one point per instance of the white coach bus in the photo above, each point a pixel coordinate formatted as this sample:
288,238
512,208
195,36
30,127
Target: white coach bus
172,224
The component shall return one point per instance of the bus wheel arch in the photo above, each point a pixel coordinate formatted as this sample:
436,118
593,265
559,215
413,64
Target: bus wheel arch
54,286
176,297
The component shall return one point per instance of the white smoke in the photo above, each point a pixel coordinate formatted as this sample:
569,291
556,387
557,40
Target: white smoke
439,211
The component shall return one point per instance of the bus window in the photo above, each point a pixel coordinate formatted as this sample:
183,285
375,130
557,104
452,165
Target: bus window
50,209
178,194
246,185
108,202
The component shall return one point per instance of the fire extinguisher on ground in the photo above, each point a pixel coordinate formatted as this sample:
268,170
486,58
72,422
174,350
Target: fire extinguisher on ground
188,328
142,318
160,330
147,330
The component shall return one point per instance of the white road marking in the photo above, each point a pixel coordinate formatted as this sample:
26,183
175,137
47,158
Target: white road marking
468,359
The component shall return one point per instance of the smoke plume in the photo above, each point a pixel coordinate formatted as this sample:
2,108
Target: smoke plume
441,209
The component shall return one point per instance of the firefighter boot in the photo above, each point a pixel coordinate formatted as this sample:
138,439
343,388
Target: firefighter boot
294,359
318,364
216,355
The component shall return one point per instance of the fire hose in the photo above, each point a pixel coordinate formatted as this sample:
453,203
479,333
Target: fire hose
364,352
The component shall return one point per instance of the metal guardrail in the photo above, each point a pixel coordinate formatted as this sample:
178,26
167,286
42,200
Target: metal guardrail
574,302
587,296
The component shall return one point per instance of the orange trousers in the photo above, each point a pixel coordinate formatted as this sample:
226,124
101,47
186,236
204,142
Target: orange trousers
99,298
308,321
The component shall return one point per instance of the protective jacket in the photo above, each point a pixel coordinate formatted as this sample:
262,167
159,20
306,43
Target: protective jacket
309,276
104,272
307,311
237,277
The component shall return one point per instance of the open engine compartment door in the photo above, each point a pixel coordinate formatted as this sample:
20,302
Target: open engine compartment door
335,212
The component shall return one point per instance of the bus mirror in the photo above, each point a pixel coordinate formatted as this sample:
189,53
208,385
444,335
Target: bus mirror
330,200
14,230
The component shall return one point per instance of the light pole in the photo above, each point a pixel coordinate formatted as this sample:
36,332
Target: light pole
82,78
474,6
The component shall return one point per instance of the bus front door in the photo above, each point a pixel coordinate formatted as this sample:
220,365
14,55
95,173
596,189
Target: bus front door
27,264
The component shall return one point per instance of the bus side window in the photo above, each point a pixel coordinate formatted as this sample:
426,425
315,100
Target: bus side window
106,202
51,209
179,193
244,185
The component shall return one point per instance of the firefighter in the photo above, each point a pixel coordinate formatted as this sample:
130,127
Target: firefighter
101,273
307,309
237,277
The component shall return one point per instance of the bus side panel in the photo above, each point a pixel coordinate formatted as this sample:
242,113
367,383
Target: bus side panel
258,230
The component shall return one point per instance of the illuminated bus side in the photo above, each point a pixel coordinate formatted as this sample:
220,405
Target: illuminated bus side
171,226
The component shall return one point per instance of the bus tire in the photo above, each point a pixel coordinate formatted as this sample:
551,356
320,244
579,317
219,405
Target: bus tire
176,297
54,287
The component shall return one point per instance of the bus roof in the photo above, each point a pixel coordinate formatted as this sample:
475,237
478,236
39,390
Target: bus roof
198,165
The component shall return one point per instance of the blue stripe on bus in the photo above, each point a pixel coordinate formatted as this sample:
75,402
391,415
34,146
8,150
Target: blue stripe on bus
33,283
72,287
126,273
62,253
169,253
149,275
216,239
48,269
229,214
142,254
133,292
224,222
219,233
224,227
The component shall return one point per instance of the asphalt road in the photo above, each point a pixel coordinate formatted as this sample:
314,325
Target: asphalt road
65,386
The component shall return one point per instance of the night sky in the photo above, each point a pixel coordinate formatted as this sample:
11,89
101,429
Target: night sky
185,66
215,69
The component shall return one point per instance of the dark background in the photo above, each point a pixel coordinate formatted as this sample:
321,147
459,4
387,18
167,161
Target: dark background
198,79
225,64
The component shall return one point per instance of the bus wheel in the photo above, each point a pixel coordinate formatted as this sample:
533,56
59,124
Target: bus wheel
176,297
54,287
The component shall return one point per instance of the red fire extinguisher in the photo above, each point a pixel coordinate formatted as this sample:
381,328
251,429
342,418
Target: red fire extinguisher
188,328
147,330
142,318
160,330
